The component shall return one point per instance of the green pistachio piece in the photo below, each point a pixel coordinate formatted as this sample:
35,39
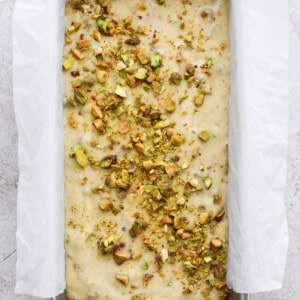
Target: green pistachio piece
125,174
107,161
184,95
141,73
156,60
189,266
207,182
80,95
101,24
170,106
125,58
204,135
145,266
207,259
81,155
137,227
94,161
162,124
68,64
119,111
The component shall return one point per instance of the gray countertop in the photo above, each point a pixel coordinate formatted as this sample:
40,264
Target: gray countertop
9,169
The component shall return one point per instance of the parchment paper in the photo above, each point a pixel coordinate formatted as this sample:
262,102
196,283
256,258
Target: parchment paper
259,111
38,96
257,146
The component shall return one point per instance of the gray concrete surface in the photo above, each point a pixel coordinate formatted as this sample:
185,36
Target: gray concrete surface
9,173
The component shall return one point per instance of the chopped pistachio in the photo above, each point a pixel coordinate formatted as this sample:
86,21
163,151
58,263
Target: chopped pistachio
188,289
101,76
148,164
140,297
101,24
125,58
156,61
143,58
68,64
184,95
145,266
164,254
146,279
83,44
119,111
162,124
119,257
171,169
170,105
121,92
217,199
96,111
181,201
177,139
134,41
110,180
167,220
80,95
77,54
208,63
220,215
207,259
88,81
108,161
203,218
215,244
207,182
124,127
105,204
141,73
190,70
204,135
175,78
140,147
157,87
219,271
120,66
106,244
179,57
198,100
99,125
125,174
96,35
194,183
137,227
81,155
123,279
76,83
189,266
185,165
136,255
72,29
123,184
